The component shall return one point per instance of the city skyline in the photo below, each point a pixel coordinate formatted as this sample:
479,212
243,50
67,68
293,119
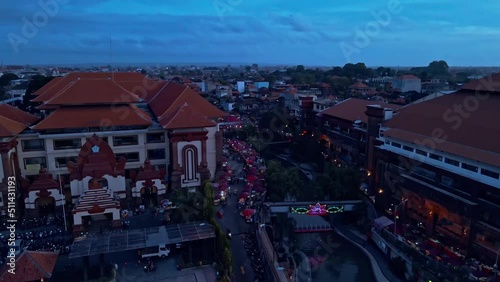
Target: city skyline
398,33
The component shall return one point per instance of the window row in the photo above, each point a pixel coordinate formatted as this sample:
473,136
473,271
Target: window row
449,161
76,143
37,163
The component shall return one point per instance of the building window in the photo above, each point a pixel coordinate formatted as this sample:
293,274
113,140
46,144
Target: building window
35,163
125,140
424,172
63,161
452,162
490,173
470,167
420,152
436,157
408,148
397,145
387,142
156,154
33,145
155,137
447,181
190,163
129,157
65,144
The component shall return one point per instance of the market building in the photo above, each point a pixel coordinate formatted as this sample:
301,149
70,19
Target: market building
107,140
437,164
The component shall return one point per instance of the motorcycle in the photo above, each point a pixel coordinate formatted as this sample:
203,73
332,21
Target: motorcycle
229,234
150,267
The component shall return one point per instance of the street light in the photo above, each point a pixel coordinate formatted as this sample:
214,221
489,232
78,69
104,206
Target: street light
396,216
496,267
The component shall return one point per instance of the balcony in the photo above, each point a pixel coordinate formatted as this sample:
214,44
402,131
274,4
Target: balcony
449,200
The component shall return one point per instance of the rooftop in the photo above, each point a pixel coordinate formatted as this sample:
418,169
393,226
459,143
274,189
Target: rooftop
441,123
134,239
353,109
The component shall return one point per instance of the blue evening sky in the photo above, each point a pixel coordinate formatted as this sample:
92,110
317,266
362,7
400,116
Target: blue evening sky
321,32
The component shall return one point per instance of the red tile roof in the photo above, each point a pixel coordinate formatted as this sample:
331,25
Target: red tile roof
10,128
47,86
31,266
354,109
489,83
76,89
16,114
146,89
14,121
475,137
95,116
93,92
186,117
171,98
56,85
408,77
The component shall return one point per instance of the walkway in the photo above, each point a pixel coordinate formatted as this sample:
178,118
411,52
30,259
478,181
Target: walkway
380,265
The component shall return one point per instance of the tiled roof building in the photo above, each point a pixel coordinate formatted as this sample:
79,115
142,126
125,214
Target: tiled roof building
135,119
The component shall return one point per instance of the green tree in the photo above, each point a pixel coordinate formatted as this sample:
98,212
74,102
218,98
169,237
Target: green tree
282,182
144,72
3,95
6,78
36,82
208,201
438,69
337,183
300,68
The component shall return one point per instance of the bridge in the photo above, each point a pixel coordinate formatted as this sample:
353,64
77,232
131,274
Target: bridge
285,207
306,220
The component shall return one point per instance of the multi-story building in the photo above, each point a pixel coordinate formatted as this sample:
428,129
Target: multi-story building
345,126
407,83
107,135
442,156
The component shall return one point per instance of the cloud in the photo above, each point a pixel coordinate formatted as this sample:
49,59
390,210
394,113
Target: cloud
477,31
286,31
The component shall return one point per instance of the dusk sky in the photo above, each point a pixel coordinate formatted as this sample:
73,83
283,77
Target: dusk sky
463,33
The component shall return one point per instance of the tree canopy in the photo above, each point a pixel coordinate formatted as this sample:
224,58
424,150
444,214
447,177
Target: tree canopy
36,82
336,183
6,78
282,183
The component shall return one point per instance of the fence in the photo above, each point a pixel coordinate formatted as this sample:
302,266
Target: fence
422,262
270,255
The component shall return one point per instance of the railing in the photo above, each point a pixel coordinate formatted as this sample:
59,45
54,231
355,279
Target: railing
423,262
270,254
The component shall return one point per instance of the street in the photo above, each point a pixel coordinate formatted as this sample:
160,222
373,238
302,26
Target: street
242,269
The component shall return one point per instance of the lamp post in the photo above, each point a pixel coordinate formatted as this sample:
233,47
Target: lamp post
396,216
496,267
63,203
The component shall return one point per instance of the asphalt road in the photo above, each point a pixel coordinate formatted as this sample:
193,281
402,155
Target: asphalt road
242,269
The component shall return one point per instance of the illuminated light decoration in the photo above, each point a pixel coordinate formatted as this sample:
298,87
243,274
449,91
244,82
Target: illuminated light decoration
317,209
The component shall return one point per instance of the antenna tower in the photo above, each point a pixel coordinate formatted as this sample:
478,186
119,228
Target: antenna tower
111,57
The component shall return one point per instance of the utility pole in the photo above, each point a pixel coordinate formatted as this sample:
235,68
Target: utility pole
63,202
